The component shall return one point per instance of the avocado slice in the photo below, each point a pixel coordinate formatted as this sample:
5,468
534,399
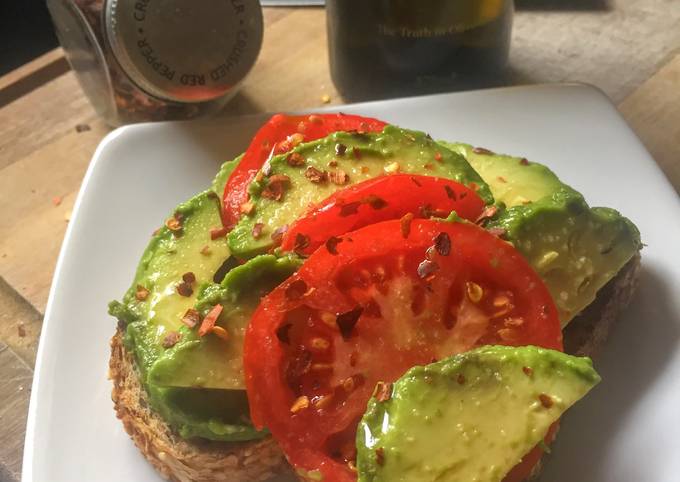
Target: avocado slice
574,248
469,417
514,181
166,259
210,362
314,170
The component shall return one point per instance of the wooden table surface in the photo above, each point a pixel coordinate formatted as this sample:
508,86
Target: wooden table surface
49,131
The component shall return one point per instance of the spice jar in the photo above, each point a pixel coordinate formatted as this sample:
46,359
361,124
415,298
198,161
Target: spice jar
139,60
386,48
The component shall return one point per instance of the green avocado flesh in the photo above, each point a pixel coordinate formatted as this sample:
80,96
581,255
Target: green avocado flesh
366,156
191,398
210,362
574,248
469,417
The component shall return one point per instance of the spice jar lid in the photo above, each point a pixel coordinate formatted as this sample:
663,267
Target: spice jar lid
185,50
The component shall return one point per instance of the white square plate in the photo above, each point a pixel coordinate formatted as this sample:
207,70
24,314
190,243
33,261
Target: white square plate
624,431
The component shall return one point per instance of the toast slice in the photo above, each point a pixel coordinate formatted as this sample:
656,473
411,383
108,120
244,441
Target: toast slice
182,460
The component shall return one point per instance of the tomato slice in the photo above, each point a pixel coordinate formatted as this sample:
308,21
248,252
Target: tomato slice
280,134
380,199
522,471
383,300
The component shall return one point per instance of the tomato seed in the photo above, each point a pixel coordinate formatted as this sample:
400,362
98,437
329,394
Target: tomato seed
474,291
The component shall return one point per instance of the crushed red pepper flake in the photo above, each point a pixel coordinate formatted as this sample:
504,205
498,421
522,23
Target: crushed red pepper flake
528,371
220,332
332,244
276,187
171,339
205,250
442,243
189,277
438,156
283,333
405,223
278,233
380,456
210,320
338,177
349,208
481,150
333,163
502,179
257,230
460,379
340,149
489,212
416,182
247,207
217,233
21,330
546,401
428,166
173,224
315,175
450,193
427,268
383,391
191,318
375,202
299,404
301,242
185,289
346,321
56,200
296,290
295,159
141,293
356,152
524,161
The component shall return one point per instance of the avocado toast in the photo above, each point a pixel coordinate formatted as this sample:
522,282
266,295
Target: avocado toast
181,395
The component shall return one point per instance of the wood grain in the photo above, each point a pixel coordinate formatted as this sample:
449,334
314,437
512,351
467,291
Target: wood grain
23,80
653,111
15,383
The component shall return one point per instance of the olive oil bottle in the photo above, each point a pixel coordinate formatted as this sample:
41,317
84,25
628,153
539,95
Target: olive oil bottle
387,48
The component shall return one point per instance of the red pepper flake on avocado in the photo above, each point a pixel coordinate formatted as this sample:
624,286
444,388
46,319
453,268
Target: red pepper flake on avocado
276,187
481,150
315,175
383,391
209,321
380,456
257,230
171,339
247,207
338,177
295,159
546,401
217,233
141,293
191,318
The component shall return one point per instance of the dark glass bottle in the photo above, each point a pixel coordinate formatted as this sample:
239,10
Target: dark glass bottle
387,48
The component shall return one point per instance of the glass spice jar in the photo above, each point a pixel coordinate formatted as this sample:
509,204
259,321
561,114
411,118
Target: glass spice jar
138,60
388,48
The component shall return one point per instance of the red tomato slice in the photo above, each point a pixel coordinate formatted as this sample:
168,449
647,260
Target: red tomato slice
377,304
380,199
280,134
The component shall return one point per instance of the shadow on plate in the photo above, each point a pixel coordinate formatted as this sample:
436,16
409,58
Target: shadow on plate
642,343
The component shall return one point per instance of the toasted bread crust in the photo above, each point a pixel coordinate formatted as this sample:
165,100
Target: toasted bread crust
187,461
175,458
